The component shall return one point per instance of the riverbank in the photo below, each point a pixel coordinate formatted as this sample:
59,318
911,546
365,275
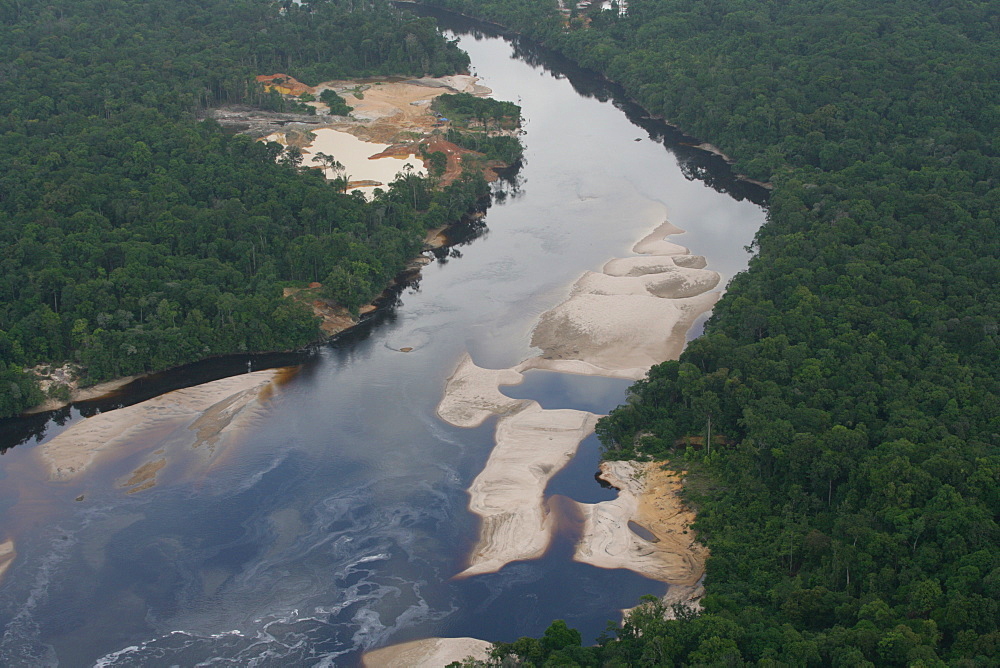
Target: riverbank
427,652
68,376
392,109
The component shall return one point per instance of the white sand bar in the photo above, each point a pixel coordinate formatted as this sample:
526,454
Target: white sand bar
7,556
473,394
532,445
430,652
618,324
203,415
618,331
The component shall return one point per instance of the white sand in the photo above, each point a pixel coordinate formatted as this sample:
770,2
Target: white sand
655,244
356,156
618,331
473,394
7,556
430,652
205,415
532,445
670,282
647,496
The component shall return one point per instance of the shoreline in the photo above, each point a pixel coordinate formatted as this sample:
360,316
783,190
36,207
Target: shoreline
426,652
336,320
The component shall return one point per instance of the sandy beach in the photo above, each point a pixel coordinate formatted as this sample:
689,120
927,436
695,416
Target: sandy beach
473,394
7,556
648,504
204,417
80,393
430,652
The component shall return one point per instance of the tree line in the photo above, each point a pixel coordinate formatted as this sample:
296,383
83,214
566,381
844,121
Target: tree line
134,237
840,416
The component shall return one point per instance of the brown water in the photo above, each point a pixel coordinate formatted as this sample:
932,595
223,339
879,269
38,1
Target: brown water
337,524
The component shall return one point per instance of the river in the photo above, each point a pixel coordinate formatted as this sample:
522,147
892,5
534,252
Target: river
337,523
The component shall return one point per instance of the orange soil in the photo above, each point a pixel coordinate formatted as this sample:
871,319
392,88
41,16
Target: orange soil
284,84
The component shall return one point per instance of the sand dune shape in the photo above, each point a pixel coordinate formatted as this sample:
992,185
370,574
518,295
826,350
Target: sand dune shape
618,331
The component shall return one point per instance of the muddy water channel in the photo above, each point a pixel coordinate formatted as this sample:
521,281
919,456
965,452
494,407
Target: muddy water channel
335,518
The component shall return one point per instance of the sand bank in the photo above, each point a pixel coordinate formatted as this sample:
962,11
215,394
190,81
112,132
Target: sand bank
634,314
617,323
532,445
7,556
77,393
206,416
430,652
472,394
648,497
618,331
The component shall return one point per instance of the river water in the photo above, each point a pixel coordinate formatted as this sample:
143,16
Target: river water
337,524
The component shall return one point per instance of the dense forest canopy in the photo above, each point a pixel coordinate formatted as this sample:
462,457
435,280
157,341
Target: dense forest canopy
850,378
134,237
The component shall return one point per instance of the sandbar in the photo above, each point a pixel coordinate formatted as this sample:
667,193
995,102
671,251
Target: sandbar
618,331
204,416
648,496
472,394
7,556
616,323
532,445
431,652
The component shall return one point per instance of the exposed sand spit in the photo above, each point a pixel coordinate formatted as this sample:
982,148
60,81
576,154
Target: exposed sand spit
655,242
205,416
531,446
430,652
648,497
473,394
671,283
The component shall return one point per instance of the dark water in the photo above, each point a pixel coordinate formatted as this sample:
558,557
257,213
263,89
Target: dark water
339,521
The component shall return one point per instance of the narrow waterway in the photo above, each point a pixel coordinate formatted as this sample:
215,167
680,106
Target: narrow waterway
336,523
